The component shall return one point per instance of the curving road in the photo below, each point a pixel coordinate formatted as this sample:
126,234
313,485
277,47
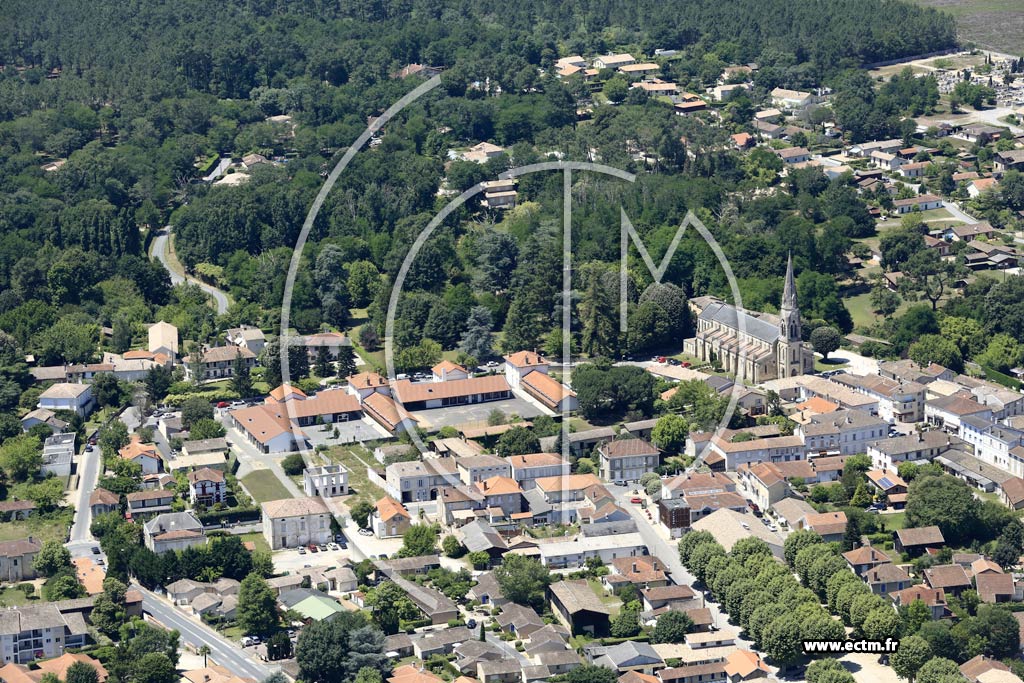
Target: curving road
161,243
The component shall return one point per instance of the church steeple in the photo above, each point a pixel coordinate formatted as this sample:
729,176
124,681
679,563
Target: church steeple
789,312
789,293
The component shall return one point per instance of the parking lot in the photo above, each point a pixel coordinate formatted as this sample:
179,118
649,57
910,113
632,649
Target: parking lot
292,560
354,431
452,416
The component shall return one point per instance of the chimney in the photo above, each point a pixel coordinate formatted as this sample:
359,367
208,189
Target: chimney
634,568
655,564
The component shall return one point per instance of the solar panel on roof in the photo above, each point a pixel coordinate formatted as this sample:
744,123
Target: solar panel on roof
885,483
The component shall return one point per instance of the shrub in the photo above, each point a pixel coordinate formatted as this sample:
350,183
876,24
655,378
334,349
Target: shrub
293,464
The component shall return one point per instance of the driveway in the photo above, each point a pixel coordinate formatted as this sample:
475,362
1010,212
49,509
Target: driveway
89,465
474,412
856,364
196,634
159,252
957,212
658,543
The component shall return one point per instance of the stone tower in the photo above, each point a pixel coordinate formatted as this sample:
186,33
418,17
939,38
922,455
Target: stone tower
789,351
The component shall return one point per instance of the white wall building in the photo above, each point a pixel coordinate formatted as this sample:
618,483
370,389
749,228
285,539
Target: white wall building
292,522
574,552
326,481
64,396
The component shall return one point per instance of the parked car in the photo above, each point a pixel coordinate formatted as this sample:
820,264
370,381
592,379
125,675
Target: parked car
471,623
343,544
223,404
95,550
323,547
302,550
636,500
88,448
313,548
365,532
673,361
333,546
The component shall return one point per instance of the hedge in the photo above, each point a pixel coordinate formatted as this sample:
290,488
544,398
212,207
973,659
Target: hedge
233,515
214,396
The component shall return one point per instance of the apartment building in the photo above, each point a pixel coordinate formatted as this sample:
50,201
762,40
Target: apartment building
292,522
626,460
843,432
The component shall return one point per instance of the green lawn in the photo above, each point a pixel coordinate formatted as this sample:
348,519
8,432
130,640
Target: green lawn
257,538
358,483
263,486
893,521
830,364
11,597
932,214
860,310
40,528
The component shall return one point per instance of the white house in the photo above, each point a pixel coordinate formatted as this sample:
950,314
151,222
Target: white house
326,481
58,452
163,338
447,370
526,469
574,552
843,431
64,396
791,99
613,61
145,455
207,487
522,363
173,531
994,444
293,522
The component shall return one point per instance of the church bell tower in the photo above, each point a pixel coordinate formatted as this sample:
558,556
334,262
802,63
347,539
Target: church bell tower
790,344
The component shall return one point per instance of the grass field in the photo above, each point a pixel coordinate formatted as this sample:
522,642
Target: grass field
893,520
11,597
860,310
358,483
257,538
263,486
41,529
995,24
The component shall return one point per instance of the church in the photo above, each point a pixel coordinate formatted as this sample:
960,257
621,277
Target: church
769,346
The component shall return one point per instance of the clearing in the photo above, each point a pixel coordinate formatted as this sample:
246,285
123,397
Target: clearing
996,24
263,485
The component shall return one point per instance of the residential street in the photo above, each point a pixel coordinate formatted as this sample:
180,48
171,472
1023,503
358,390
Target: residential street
223,651
957,212
159,252
668,552
88,474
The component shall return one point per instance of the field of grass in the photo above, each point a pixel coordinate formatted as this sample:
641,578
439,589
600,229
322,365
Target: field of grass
995,24
358,483
263,486
860,310
40,528
894,521
257,538
12,597
830,364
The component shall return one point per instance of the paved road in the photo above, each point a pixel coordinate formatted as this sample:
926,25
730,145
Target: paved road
958,213
250,459
669,554
223,651
89,473
159,252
